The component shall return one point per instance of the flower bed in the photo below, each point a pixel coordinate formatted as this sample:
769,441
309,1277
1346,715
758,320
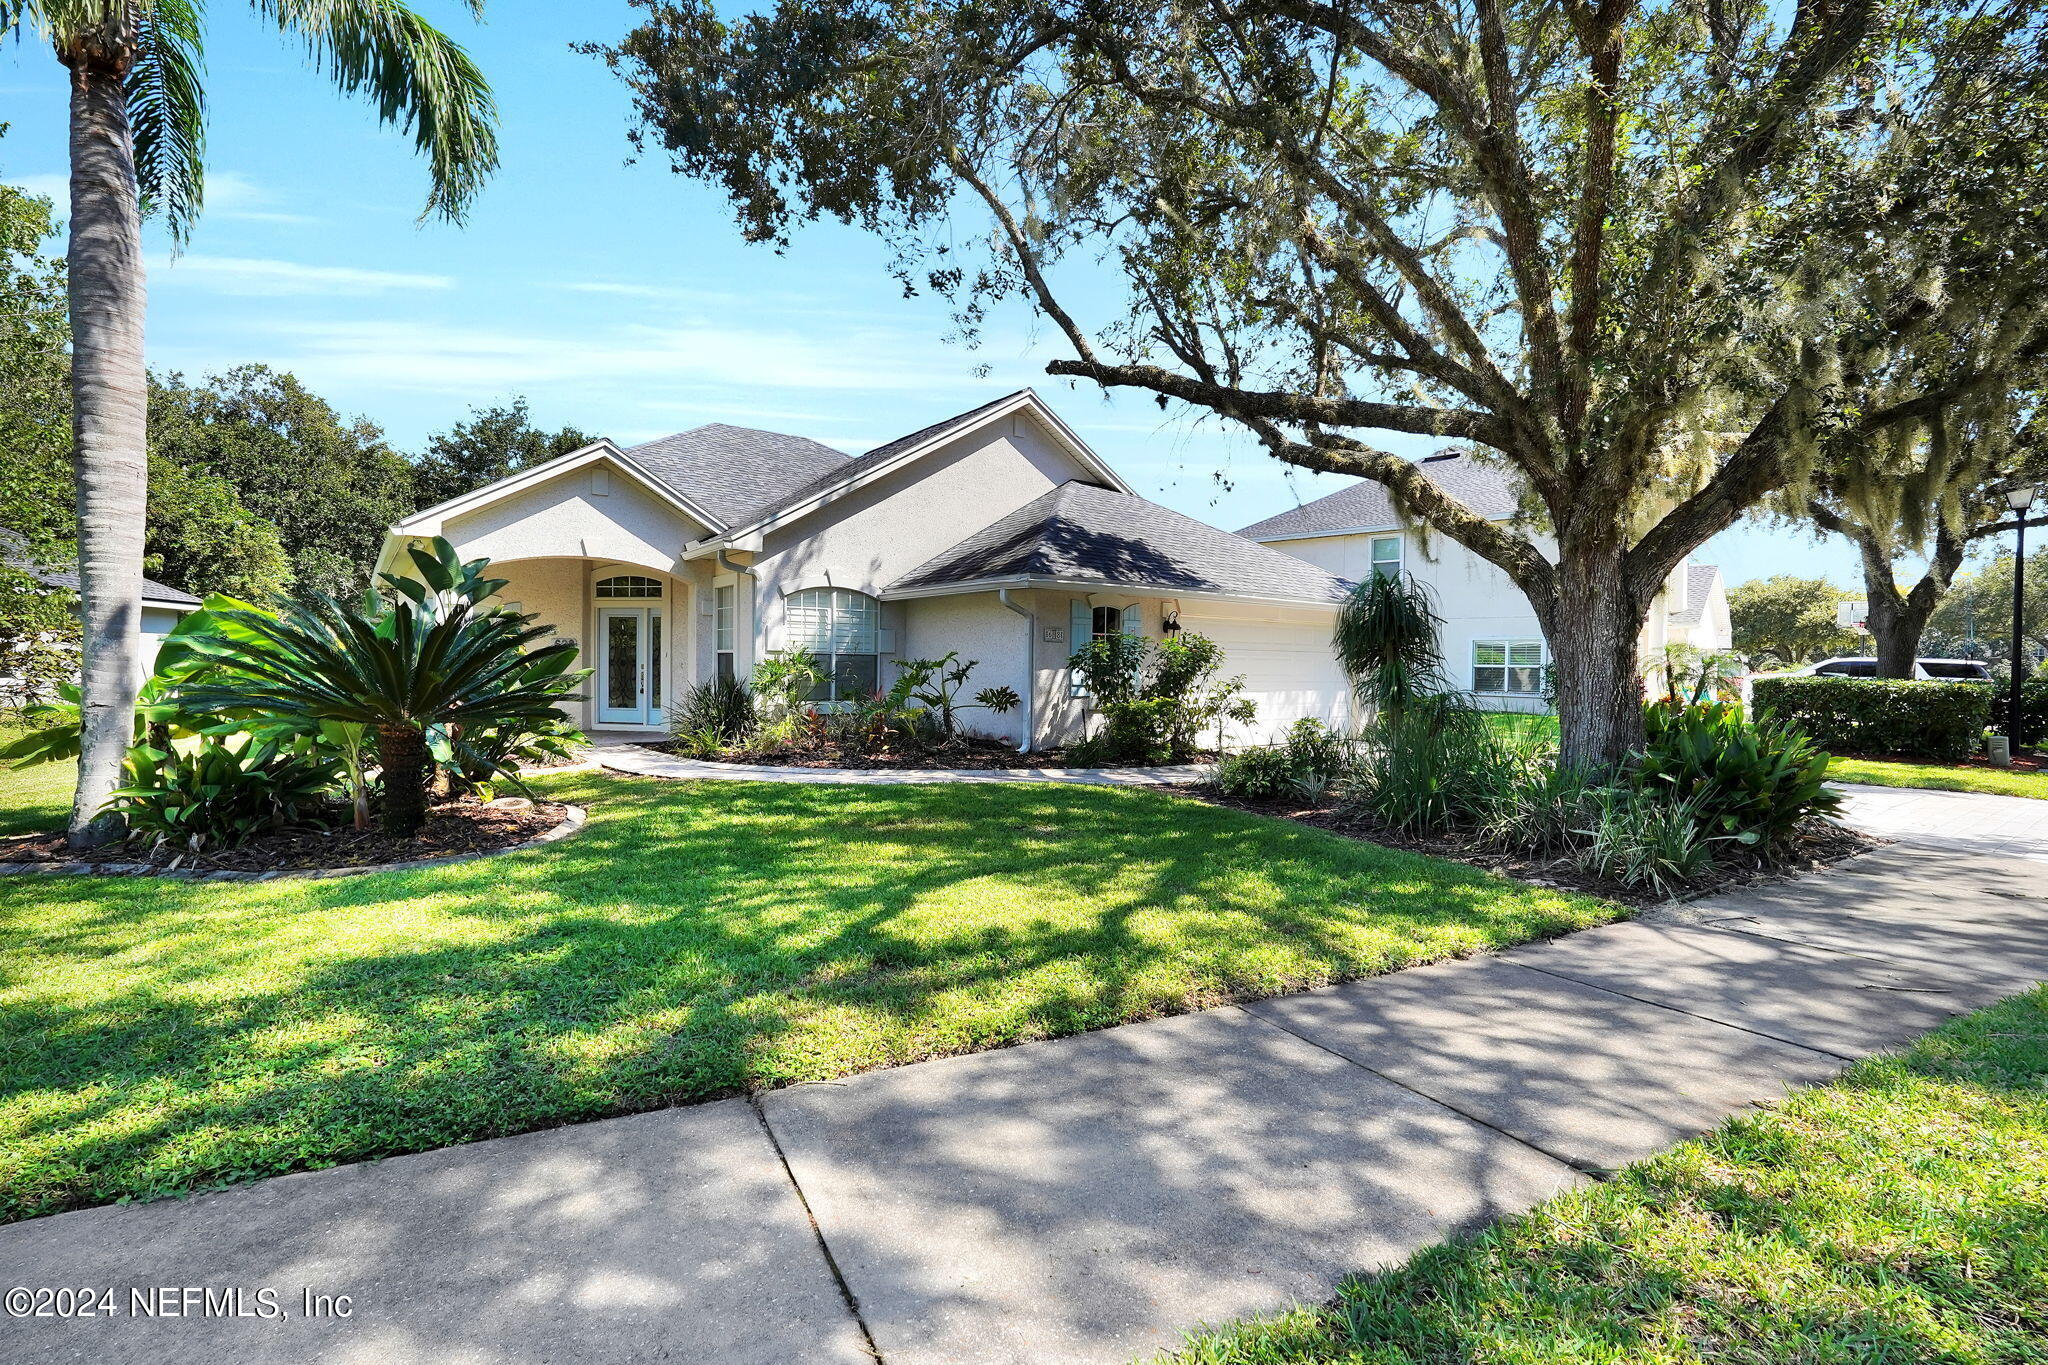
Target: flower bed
453,830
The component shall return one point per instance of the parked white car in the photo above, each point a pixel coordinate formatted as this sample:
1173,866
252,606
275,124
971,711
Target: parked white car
1924,670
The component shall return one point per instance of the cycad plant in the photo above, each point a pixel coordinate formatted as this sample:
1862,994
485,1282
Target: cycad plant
420,668
137,144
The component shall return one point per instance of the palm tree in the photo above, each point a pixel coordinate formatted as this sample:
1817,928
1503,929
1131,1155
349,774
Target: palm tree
137,137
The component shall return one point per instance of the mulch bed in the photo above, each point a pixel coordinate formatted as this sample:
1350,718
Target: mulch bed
1822,842
980,756
454,827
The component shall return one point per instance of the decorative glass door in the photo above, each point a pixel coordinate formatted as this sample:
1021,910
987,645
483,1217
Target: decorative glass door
629,666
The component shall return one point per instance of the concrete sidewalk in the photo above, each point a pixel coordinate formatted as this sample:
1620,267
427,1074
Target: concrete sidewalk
1086,1199
638,761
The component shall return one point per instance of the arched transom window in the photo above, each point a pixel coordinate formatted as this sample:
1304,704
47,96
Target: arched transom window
628,585
841,628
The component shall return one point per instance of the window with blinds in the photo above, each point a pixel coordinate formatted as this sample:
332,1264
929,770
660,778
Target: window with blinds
841,627
1511,668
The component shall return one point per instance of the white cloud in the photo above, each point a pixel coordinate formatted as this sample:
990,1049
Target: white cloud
669,365
257,277
229,195
55,187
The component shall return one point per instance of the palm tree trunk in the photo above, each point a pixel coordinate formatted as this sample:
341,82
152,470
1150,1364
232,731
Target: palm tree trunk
402,753
109,405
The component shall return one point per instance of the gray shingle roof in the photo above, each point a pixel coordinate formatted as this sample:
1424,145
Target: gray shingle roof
1699,581
14,551
1365,505
1080,532
736,472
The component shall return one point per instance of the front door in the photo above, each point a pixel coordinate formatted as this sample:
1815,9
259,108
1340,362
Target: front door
629,666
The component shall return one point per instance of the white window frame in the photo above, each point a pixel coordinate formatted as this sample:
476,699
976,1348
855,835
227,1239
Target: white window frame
635,588
863,629
1130,621
1378,565
1509,665
725,615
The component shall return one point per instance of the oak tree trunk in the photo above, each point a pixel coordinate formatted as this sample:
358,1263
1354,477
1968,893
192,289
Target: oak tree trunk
1592,624
109,398
402,753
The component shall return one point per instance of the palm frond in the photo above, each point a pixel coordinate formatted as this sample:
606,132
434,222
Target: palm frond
167,109
419,79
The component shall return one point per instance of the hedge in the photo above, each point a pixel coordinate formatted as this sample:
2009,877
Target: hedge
1938,720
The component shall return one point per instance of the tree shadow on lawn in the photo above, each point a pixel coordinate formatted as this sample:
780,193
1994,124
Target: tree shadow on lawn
694,941
1893,1215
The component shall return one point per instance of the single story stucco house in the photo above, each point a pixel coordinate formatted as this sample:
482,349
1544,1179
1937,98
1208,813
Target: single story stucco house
1493,646
996,533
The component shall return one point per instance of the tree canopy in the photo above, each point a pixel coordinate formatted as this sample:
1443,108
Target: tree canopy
1631,249
1785,620
491,443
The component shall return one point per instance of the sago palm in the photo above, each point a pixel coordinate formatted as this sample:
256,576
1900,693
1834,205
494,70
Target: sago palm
137,137
436,660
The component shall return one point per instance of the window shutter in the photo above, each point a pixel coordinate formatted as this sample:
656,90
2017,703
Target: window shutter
1080,630
1134,620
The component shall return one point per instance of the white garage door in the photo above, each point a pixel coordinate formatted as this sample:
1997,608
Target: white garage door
1288,668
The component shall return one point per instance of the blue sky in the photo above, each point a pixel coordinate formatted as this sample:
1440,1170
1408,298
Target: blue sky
615,297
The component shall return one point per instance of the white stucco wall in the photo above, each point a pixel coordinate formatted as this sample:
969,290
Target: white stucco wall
595,512
979,627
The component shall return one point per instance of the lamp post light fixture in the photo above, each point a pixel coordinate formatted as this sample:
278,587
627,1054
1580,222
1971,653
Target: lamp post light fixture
2020,498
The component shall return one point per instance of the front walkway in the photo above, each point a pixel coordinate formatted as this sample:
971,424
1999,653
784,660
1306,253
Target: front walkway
627,757
1085,1199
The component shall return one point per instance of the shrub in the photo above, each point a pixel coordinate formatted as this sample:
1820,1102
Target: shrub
1752,782
1943,721
435,661
719,711
1155,700
936,684
1432,766
783,682
221,792
1640,837
1305,764
1389,642
1542,807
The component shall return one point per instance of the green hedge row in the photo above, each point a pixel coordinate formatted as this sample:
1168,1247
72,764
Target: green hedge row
1942,721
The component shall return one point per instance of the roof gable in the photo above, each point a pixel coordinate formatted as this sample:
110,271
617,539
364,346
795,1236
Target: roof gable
1080,533
1364,505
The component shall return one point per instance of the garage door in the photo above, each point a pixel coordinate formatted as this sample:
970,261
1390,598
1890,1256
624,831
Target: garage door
1288,668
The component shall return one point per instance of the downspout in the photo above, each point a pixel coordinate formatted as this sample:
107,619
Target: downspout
753,625
1030,673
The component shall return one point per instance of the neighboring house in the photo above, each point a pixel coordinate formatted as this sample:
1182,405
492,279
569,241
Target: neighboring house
996,533
162,607
1493,646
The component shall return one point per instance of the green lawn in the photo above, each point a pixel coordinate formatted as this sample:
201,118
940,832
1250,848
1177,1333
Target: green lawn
1941,776
1899,1215
696,940
33,799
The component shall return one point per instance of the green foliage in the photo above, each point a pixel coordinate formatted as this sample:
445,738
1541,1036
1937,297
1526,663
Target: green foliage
713,715
1689,676
1312,757
936,684
434,659
1784,621
1753,782
201,538
35,403
1643,838
1434,766
784,681
490,444
1388,641
477,758
328,485
164,1037
1973,620
221,792
1943,720
39,638
1155,699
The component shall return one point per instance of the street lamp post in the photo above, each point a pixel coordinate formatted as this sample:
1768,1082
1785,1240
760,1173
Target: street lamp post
2020,498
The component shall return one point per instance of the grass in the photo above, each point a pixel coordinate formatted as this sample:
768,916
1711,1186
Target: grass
1941,777
696,940
37,798
1897,1215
